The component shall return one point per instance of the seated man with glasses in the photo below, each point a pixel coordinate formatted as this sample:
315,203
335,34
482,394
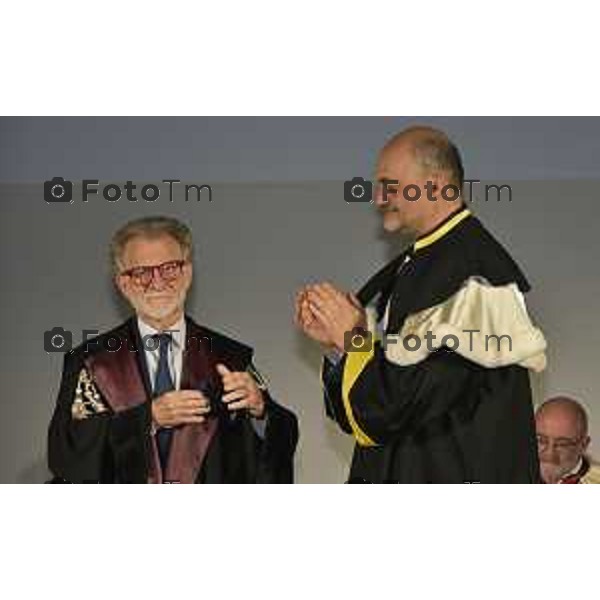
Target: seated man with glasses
562,438
161,399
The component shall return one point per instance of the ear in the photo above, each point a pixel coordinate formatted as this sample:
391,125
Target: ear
188,271
586,443
438,180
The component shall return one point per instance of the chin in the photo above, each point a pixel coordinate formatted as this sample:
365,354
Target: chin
391,223
551,474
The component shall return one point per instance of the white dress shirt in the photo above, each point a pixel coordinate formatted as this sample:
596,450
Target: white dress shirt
175,352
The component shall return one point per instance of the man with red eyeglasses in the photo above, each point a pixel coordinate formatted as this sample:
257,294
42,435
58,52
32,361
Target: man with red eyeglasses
562,436
161,399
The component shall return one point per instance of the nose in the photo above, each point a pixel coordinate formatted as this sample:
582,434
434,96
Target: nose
157,283
378,194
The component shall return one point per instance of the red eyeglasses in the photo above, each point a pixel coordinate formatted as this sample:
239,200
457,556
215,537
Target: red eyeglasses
142,277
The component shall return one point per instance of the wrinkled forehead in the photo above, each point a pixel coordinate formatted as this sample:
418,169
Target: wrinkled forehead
556,422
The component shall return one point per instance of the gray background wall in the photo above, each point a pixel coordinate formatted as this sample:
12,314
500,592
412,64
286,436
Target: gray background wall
277,220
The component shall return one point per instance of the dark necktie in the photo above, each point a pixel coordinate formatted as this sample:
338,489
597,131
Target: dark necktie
163,382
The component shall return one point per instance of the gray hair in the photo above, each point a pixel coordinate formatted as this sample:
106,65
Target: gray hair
150,227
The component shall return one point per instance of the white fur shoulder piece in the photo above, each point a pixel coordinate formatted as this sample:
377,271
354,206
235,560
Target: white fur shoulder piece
488,325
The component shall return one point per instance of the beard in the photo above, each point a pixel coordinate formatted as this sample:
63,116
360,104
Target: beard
392,219
159,305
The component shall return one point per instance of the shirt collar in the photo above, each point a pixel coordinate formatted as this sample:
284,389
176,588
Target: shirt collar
177,330
442,229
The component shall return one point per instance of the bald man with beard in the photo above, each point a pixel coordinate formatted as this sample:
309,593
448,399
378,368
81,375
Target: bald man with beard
562,437
427,366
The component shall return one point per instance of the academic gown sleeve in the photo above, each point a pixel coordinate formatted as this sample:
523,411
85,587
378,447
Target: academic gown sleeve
276,450
249,451
380,393
103,447
377,400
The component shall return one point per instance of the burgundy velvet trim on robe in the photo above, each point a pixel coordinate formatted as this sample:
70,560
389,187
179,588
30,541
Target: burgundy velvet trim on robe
118,377
190,442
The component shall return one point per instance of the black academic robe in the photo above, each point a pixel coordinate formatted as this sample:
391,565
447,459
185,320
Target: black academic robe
442,414
101,428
